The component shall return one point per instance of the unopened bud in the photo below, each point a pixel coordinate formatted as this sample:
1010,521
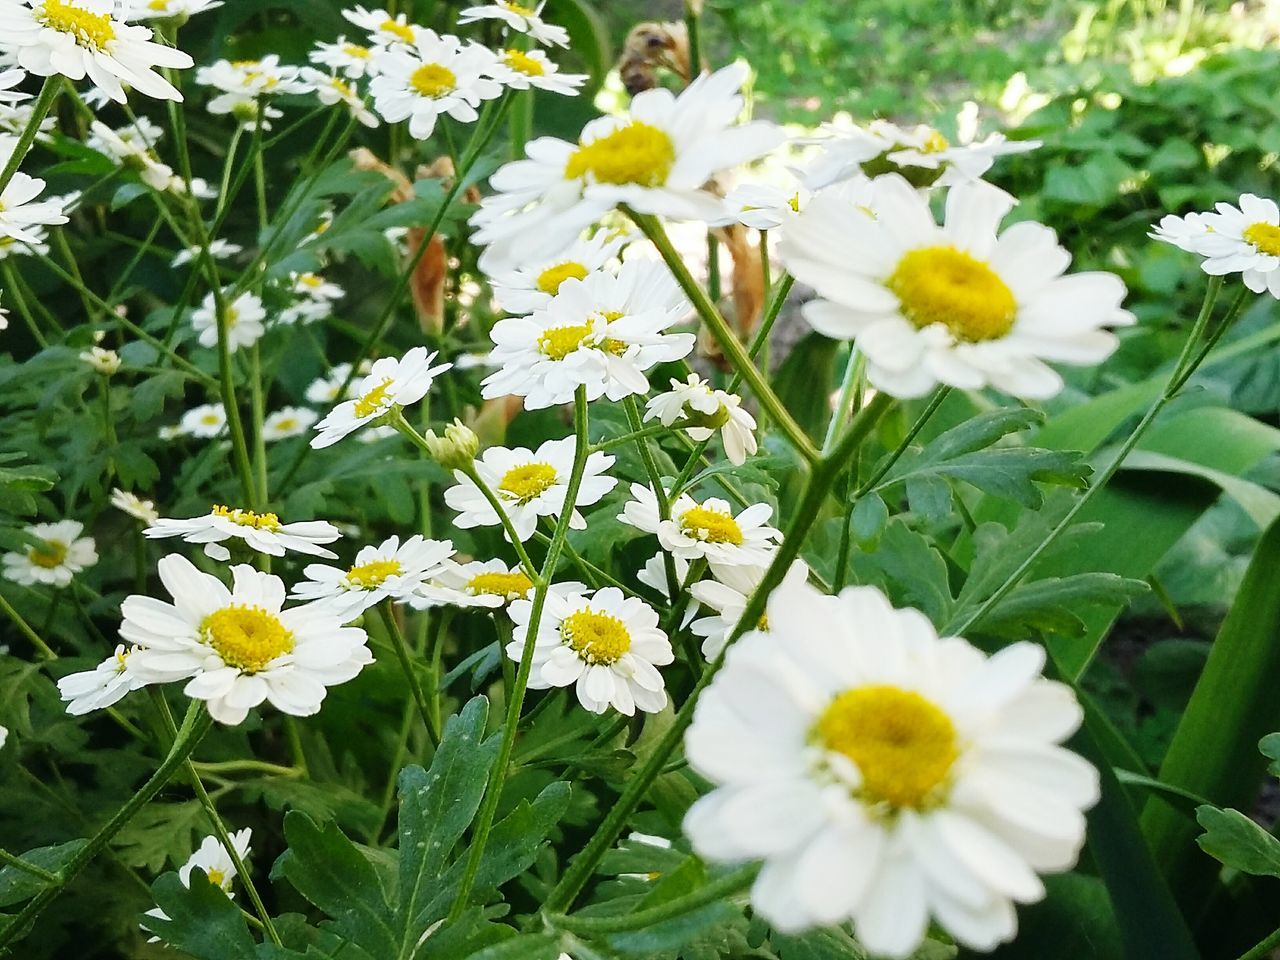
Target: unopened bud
456,449
106,362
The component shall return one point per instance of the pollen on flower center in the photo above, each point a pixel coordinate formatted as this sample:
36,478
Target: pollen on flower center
903,745
433,80
247,518
1265,237
372,400
401,30
595,637
550,279
246,637
521,62
638,153
494,583
710,526
528,480
934,143
372,574
357,51
216,876
558,342
92,30
943,285
48,556
518,9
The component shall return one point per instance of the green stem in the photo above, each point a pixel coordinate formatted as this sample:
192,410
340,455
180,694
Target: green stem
40,873
659,490
248,766
258,411
39,110
25,629
226,386
853,369
1264,949
904,444
406,663
719,889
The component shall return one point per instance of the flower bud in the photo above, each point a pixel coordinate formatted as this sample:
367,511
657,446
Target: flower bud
106,362
456,449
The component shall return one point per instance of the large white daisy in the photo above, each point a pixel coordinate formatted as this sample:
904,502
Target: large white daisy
390,384
389,570
433,76
1243,239
705,531
260,531
58,555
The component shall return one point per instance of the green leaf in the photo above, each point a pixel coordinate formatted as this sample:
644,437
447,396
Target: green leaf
529,946
1270,748
1050,606
201,920
1075,919
910,570
17,885
1233,839
159,832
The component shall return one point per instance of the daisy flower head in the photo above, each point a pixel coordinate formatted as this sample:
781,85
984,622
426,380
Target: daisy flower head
305,311
700,411
132,147
181,10
252,78
601,333
955,303
287,422
705,531
391,384
101,360
315,286
520,18
384,30
10,78
260,531
244,318
99,688
761,206
59,553
529,484
480,583
433,76
657,159
325,390
895,778
239,647
21,214
530,286
607,645
205,422
1243,239
349,59
522,69
218,249
89,38
390,570
332,89
654,573
726,595
212,857
134,505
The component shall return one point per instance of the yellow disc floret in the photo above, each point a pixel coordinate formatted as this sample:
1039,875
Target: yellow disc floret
247,518
710,526
433,80
638,153
372,400
92,30
527,481
550,279
521,62
401,31
518,9
498,584
246,637
372,574
595,637
558,342
934,143
903,745
216,876
51,555
943,285
1265,238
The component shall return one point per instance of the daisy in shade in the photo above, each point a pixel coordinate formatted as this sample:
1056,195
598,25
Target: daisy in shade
700,411
212,858
287,422
21,215
391,570
218,249
349,59
131,147
529,484
59,553
608,646
260,531
705,531
239,647
654,573
315,286
1242,239
244,315
436,75
956,303
761,206
520,18
727,596
522,69
206,421
134,505
601,333
384,30
895,778
99,688
482,583
79,38
169,9
324,390
391,384
657,159
332,89
528,287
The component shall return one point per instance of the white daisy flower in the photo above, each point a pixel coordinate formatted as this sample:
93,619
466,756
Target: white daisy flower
252,78
315,286
520,18
79,38
953,303
607,645
602,333
522,69
391,384
529,484
245,109
204,422
654,573
333,89
657,159
99,688
305,312
21,215
59,555
391,570
1243,239
700,411
169,9
384,30
100,360
349,59
16,117
530,286
727,596
707,530
260,531
219,869
435,75
10,247
287,422
10,78
131,147
218,249
244,316
324,390
894,778
760,206
476,583
134,505
239,647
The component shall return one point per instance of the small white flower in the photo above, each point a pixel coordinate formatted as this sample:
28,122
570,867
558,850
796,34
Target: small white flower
707,530
1243,239
607,645
351,59
520,18
315,286
654,573
435,75
59,555
522,69
204,422
100,687
530,286
760,205
133,147
304,312
324,390
239,647
287,422
391,570
529,484
477,583
727,595
134,506
391,384
10,247
244,317
10,78
700,411
21,215
252,78
384,30
79,38
260,531
105,362
218,867
333,89
169,9
218,249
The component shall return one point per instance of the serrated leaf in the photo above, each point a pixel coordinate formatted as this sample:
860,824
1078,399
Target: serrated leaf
200,920
529,946
1050,606
910,570
869,518
159,832
1270,748
1237,842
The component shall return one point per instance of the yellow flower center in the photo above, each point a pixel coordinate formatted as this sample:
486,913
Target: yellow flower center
372,574
355,50
286,423
210,419
247,518
903,745
947,286
92,30
371,402
48,556
934,143
521,62
514,584
344,89
763,623
519,10
558,342
550,279
310,279
400,30
528,480
637,153
433,80
159,4
1265,237
595,637
710,526
122,659
794,203
216,876
245,637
